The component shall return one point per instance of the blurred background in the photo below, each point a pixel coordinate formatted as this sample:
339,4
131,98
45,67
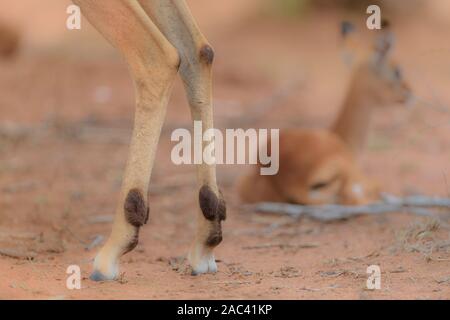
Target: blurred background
67,105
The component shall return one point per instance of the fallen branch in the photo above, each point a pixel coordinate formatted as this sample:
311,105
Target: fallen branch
419,205
417,201
282,246
12,253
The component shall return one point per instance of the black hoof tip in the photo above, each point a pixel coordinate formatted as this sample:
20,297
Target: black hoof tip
194,273
98,276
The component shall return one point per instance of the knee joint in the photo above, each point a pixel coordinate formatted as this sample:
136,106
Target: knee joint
206,54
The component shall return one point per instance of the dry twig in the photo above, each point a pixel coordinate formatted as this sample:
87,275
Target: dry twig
420,205
16,254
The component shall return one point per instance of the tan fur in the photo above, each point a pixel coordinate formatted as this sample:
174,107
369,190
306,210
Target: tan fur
157,38
367,92
309,158
376,82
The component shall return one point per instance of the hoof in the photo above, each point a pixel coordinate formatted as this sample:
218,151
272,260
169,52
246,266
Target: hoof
98,276
206,264
106,267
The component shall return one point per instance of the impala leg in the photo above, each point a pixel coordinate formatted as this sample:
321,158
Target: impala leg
153,64
175,21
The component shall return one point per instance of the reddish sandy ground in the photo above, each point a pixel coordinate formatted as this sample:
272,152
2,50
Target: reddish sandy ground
66,109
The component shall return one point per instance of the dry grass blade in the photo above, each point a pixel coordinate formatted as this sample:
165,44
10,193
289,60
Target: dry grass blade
282,246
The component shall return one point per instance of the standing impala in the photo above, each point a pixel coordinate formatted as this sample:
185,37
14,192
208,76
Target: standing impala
158,39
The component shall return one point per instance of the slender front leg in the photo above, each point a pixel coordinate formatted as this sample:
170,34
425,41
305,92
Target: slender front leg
176,22
153,63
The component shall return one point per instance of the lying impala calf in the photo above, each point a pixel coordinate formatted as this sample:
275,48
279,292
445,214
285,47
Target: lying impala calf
319,166
158,38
